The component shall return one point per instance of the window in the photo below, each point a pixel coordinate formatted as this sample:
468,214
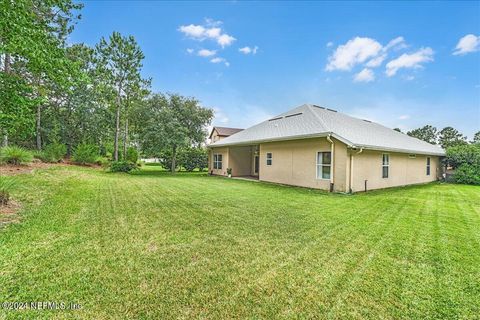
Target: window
324,165
217,161
385,165
269,158
428,166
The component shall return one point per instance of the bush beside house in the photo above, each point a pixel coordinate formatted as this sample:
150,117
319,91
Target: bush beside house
465,160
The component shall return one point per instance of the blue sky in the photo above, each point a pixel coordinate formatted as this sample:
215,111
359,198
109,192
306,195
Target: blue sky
400,64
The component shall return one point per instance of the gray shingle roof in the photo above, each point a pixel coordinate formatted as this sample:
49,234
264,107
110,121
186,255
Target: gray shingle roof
308,121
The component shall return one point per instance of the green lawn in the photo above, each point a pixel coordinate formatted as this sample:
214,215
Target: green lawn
156,245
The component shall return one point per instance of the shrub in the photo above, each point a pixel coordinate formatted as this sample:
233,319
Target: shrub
6,185
468,174
102,161
193,158
85,154
465,159
132,155
52,153
15,155
122,166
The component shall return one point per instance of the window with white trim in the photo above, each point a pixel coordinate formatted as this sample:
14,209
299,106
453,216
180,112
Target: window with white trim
428,166
217,161
324,165
269,159
385,165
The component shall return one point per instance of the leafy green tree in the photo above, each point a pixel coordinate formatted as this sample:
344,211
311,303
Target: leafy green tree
427,133
465,159
193,158
476,138
450,137
32,41
119,62
173,122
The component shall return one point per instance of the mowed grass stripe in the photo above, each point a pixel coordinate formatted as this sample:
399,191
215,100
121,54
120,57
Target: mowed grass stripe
156,245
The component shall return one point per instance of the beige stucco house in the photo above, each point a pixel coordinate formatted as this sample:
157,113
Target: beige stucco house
316,147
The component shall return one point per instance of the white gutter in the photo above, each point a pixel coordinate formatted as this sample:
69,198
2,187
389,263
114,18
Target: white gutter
332,157
351,168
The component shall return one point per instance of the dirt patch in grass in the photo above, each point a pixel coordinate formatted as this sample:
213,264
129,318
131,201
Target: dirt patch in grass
8,213
11,170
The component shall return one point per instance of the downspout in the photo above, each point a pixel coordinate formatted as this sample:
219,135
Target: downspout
351,169
332,162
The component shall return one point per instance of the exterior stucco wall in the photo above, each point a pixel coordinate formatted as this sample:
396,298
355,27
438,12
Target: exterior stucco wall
403,170
295,163
224,152
239,159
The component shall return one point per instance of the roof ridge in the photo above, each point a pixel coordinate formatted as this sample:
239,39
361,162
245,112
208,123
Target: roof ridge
309,106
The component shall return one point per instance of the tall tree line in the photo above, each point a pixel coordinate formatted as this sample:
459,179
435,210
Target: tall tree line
447,137
53,92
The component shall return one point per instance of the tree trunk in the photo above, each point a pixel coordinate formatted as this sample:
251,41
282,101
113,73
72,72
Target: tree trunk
38,127
125,140
117,129
174,159
6,69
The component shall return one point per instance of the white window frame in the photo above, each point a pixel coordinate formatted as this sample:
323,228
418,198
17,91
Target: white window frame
320,165
428,169
269,158
217,162
386,165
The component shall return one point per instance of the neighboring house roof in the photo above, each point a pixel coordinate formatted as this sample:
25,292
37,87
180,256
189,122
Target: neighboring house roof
308,121
224,131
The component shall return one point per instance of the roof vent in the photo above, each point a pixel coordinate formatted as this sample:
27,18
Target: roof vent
332,110
318,106
277,118
366,120
293,115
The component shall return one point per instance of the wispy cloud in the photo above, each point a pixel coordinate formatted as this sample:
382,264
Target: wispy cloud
220,60
354,52
409,61
248,50
467,44
366,75
206,53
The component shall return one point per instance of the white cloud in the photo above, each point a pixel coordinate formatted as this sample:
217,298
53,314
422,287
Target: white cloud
397,43
210,30
329,44
366,75
220,60
409,78
376,62
413,60
248,50
358,51
467,44
404,117
225,40
190,51
206,53
354,52
193,31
